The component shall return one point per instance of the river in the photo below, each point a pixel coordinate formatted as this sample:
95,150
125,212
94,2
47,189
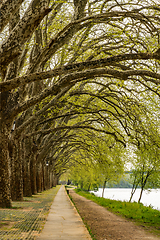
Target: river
151,198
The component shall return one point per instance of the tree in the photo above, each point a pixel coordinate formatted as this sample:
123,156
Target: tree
110,164
84,176
100,164
111,47
146,165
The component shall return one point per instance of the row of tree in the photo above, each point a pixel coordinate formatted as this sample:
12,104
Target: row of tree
77,78
108,169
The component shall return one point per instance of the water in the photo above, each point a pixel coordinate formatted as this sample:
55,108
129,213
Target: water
151,198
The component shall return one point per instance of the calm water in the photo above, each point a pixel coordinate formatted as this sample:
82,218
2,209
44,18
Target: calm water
148,198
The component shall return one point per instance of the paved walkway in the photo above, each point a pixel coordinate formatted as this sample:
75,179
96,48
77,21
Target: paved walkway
63,222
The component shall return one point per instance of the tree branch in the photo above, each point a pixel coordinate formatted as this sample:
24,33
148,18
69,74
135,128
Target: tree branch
14,83
7,10
77,127
20,34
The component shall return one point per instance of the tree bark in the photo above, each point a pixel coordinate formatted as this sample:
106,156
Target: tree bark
39,177
26,169
55,180
33,174
139,200
143,184
26,178
17,184
11,48
12,153
43,181
104,185
134,187
5,196
8,9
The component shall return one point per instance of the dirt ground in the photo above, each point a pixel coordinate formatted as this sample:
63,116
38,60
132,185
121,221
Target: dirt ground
106,225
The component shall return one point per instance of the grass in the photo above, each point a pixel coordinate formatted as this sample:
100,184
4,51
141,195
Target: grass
146,216
26,219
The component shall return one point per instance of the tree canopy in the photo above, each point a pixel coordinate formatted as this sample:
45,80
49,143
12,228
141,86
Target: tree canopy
69,71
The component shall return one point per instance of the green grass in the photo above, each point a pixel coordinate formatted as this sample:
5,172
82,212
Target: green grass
146,216
26,219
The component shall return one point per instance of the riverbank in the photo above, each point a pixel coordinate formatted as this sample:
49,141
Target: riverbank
149,197
105,225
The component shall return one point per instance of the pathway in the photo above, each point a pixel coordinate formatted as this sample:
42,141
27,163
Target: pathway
63,221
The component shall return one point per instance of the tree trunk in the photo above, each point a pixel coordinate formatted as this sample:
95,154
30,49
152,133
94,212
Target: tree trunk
132,193
26,178
17,184
43,187
5,196
143,184
139,200
55,180
51,179
134,187
81,185
12,153
39,177
33,174
26,169
104,185
48,177
45,177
